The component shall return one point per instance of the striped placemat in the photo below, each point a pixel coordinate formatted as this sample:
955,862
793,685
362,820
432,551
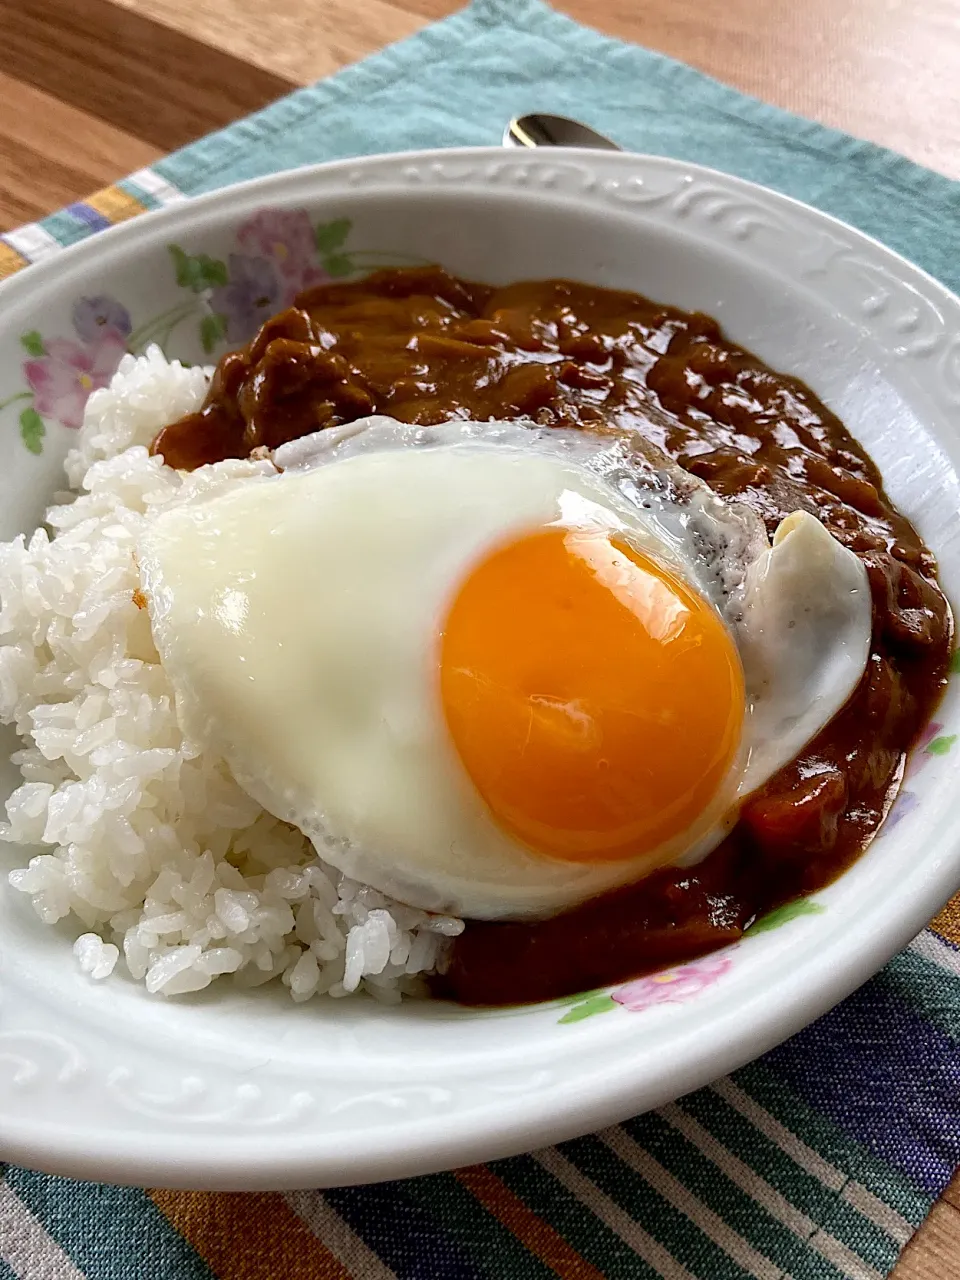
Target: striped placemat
816,1162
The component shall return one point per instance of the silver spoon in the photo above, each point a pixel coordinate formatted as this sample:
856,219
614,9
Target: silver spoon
553,131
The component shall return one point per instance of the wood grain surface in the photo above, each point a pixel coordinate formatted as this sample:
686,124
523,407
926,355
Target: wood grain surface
91,89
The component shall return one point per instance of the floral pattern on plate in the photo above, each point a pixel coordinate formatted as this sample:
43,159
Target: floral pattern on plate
684,981
667,986
61,373
279,252
931,744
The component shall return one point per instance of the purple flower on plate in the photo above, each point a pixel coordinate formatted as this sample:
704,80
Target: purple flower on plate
63,378
92,317
672,986
905,803
250,296
285,237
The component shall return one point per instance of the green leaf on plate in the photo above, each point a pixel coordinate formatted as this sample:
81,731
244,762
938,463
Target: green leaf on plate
580,995
181,265
212,329
197,272
32,343
339,264
601,1003
213,272
783,915
940,746
331,236
32,430
955,663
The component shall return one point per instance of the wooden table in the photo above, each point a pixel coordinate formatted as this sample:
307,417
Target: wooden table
92,89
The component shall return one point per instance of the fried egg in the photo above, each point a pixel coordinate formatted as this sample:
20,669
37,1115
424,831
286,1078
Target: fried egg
496,669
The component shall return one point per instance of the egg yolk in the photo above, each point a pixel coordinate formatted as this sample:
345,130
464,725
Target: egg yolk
595,700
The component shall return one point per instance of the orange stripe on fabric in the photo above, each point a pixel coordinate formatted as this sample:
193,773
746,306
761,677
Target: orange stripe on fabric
10,260
947,923
115,204
538,1236
244,1236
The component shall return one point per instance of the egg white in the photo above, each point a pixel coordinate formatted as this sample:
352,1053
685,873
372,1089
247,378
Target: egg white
297,617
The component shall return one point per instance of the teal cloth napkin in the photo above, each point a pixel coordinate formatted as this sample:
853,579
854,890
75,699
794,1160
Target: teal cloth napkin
458,82
819,1160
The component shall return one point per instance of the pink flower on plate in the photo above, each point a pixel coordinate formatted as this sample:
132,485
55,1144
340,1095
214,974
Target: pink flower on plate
927,736
928,745
672,986
286,238
63,378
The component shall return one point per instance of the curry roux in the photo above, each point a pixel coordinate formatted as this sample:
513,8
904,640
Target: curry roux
422,347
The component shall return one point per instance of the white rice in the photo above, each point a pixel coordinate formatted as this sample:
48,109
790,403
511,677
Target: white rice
173,872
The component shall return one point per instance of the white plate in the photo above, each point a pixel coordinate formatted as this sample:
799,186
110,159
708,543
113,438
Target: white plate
234,1090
